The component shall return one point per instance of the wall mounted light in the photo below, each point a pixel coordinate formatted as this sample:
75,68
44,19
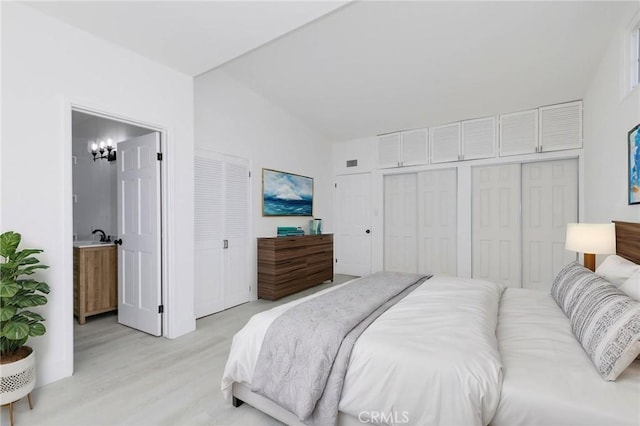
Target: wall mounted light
106,150
591,239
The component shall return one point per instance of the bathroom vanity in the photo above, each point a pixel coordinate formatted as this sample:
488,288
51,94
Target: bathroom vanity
95,279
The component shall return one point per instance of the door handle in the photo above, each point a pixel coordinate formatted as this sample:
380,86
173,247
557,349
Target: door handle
226,244
118,242
368,231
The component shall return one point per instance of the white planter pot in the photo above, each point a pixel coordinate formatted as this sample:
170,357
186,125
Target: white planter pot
17,379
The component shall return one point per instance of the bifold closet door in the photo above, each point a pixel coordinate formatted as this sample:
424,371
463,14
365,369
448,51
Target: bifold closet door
437,222
549,202
496,244
221,232
400,223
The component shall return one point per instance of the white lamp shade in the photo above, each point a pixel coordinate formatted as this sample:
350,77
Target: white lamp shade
596,238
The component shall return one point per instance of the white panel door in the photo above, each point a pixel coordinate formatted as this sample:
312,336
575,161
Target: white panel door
549,202
139,263
496,243
208,235
352,237
221,219
400,223
437,222
236,267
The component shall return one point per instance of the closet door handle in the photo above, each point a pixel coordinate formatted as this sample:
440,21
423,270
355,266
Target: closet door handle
225,244
368,231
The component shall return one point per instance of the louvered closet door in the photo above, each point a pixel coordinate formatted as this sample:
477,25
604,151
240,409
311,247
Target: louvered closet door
236,271
389,150
496,244
519,133
437,222
400,223
445,143
549,202
221,218
208,235
415,147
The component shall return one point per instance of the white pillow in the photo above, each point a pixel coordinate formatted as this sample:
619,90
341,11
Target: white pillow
632,286
616,269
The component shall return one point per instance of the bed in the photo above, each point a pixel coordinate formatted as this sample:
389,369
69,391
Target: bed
457,351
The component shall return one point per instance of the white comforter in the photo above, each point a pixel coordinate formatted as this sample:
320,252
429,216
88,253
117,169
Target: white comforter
430,359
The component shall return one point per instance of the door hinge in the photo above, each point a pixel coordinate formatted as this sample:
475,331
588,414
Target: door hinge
159,156
335,185
249,173
336,260
161,309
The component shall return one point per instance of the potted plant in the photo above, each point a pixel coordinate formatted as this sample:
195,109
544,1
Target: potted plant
18,291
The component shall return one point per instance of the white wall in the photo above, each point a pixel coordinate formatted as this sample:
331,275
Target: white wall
46,65
610,111
232,119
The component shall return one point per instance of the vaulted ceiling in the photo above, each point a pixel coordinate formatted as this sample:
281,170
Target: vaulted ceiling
373,67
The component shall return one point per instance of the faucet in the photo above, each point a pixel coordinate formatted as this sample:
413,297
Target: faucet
103,236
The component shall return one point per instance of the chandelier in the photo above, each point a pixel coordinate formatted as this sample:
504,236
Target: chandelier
102,150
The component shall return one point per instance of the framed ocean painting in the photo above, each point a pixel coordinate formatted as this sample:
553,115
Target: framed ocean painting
286,194
634,165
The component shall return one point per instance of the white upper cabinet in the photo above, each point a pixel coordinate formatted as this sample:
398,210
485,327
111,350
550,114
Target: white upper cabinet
519,133
478,138
415,147
561,126
445,143
389,150
400,149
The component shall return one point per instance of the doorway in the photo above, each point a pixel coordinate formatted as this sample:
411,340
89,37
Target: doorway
117,192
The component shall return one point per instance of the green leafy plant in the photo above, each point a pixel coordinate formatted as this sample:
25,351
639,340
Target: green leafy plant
18,292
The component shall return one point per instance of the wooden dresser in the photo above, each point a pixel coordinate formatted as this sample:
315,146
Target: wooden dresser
287,265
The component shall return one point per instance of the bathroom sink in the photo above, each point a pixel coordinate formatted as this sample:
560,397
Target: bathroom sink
89,243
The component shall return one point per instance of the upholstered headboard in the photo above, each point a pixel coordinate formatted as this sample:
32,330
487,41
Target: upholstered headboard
628,240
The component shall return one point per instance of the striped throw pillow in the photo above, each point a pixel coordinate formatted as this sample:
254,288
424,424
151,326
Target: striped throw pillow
604,319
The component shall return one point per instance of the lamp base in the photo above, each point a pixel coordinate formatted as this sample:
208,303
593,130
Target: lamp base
590,261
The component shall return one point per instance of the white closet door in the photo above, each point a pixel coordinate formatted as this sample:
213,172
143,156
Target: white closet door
352,238
549,202
208,235
496,244
221,220
437,222
400,223
236,271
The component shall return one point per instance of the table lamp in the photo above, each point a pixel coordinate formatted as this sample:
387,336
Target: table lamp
591,239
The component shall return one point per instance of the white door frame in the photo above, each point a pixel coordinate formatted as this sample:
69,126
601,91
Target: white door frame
68,108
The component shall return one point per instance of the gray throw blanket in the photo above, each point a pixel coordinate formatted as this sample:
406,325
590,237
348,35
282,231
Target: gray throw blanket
304,355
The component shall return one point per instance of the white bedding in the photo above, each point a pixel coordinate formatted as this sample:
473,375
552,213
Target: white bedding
413,362
548,377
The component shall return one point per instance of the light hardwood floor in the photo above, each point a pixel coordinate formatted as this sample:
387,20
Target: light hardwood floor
125,377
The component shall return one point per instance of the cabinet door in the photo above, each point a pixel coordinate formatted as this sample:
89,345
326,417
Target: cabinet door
519,133
400,221
437,222
445,143
478,138
415,147
496,241
561,126
389,150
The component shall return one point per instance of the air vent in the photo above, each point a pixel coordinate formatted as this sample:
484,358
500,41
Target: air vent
352,163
